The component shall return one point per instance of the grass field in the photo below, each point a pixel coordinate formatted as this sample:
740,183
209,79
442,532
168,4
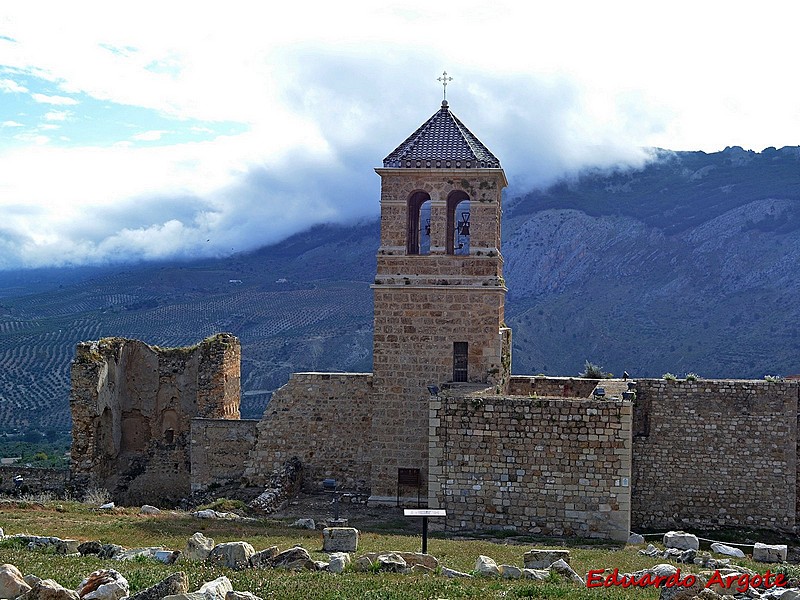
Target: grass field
171,530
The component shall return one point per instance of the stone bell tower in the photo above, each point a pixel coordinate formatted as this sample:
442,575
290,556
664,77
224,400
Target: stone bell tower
439,290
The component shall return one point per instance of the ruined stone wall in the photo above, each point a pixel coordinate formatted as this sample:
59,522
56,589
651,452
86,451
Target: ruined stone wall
219,450
544,466
715,453
131,410
35,480
324,420
566,387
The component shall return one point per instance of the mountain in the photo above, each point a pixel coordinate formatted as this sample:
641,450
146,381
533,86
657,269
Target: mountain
685,265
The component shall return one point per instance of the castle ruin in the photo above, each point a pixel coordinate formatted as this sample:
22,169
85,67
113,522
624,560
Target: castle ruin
441,419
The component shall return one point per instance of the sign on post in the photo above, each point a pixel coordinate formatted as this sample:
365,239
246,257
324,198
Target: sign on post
424,513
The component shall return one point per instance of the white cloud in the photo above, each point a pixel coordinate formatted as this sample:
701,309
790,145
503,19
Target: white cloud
12,124
10,86
149,136
55,100
322,96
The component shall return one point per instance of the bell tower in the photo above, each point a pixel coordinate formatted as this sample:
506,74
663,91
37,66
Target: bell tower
439,290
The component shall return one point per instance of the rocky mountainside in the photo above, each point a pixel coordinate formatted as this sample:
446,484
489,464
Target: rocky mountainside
686,265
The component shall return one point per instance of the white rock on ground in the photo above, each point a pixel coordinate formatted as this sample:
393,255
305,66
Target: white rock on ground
47,589
726,550
338,562
339,539
198,547
635,539
681,540
510,572
769,553
234,555
106,584
304,524
541,559
562,568
452,573
12,583
487,567
149,510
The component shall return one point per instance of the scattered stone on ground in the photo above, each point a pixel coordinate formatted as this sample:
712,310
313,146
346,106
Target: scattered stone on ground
339,539
562,568
135,553
486,566
234,555
635,539
106,584
234,595
293,559
177,583
338,562
304,524
726,550
681,540
452,573
198,547
510,572
107,506
263,558
149,510
541,559
391,562
93,547
12,583
47,589
769,553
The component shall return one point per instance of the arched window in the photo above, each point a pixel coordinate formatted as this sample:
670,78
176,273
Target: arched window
458,223
418,235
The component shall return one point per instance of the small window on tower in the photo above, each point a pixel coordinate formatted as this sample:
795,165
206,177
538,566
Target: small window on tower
460,363
458,223
418,230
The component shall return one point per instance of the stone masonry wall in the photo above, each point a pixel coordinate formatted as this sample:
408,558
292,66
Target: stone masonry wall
715,453
131,410
543,466
324,420
566,387
35,480
219,449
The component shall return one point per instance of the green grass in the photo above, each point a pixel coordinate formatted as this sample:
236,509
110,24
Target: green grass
171,530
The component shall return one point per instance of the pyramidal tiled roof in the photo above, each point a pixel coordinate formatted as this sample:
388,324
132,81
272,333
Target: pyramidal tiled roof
442,142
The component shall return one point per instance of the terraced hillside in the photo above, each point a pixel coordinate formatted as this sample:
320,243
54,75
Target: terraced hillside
289,309
687,265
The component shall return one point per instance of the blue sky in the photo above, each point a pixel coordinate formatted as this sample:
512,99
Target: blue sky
145,130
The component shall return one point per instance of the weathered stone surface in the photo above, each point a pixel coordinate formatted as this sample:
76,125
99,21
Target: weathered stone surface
769,553
234,595
487,567
234,555
338,562
107,506
510,572
149,510
31,579
110,551
391,562
121,392
420,570
216,589
339,539
304,524
198,547
683,593
727,550
286,478
411,558
681,540
635,539
177,583
452,573
47,589
293,559
167,557
134,553
87,548
562,568
12,583
363,563
263,558
106,584
538,574
541,559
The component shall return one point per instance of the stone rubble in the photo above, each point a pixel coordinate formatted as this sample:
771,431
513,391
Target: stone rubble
681,540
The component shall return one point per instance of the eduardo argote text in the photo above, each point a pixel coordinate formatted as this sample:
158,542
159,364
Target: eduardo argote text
741,582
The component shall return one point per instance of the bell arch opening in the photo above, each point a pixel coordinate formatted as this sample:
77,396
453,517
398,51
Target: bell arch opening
418,234
458,224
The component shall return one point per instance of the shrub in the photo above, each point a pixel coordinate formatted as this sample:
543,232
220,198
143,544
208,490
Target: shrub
692,377
96,496
772,378
592,371
669,377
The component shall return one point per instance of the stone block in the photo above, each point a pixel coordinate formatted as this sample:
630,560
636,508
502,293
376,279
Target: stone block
542,559
681,540
339,539
769,553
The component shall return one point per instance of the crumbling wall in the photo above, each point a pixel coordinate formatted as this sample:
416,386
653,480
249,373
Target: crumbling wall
219,450
544,466
131,410
324,419
35,480
715,453
566,387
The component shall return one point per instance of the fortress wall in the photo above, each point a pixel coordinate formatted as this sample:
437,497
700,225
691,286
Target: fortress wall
544,466
714,453
219,449
323,419
567,387
35,480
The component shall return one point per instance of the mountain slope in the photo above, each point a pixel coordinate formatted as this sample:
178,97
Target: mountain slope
685,265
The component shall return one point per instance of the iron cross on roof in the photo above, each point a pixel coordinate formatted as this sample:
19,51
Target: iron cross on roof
444,79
